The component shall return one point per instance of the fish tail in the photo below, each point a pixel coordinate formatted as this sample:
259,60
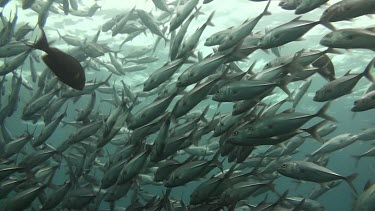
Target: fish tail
216,162
66,110
322,113
349,180
255,170
209,20
197,12
41,44
281,198
313,131
283,86
251,68
266,12
106,80
230,171
357,159
276,51
367,73
58,33
173,118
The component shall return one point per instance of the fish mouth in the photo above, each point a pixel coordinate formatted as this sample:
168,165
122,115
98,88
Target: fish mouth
355,109
215,98
261,45
299,11
286,6
317,99
279,170
216,133
325,41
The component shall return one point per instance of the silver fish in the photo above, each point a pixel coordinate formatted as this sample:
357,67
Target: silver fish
308,171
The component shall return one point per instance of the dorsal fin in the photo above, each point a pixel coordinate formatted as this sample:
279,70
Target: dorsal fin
367,185
347,73
296,19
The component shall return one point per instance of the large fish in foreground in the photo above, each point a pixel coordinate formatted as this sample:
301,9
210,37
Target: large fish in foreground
66,68
350,38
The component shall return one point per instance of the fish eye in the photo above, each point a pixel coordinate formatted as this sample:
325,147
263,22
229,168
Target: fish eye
356,102
235,133
283,165
218,92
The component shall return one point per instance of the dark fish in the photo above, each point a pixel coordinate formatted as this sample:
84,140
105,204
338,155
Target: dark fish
66,68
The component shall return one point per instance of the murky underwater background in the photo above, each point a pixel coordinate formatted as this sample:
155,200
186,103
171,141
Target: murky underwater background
227,13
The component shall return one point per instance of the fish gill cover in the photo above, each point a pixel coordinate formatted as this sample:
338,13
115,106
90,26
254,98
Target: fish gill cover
187,105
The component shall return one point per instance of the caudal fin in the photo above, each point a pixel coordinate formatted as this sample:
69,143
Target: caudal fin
357,159
313,131
322,113
349,180
209,20
367,73
42,43
215,160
